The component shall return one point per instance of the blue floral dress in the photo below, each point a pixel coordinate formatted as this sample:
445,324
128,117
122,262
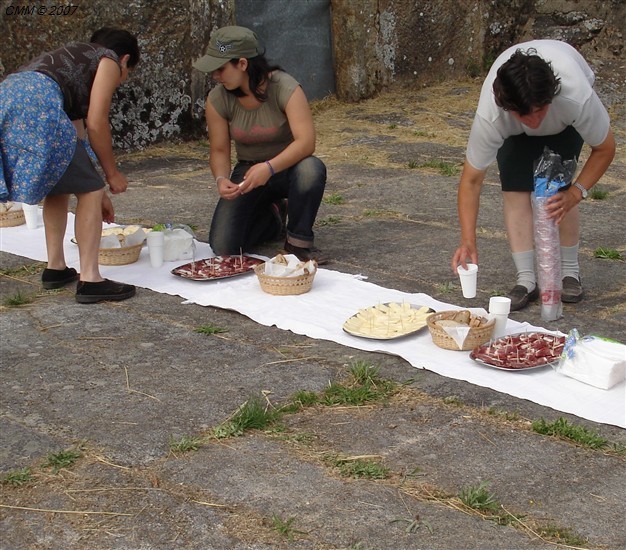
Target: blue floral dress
37,138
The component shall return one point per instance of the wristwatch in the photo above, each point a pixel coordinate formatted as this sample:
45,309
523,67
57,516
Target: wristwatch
583,191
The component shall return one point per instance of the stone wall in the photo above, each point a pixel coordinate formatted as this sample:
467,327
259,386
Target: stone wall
376,44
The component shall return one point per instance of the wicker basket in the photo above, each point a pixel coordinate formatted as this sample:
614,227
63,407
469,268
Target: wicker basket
475,337
119,256
11,218
284,286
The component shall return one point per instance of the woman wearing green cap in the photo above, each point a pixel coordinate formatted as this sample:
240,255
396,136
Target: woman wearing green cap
267,115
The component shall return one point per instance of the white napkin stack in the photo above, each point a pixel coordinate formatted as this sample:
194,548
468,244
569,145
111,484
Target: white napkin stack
276,267
10,206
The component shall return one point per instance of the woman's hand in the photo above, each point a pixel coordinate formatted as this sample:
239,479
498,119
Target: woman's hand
227,189
117,182
108,212
256,176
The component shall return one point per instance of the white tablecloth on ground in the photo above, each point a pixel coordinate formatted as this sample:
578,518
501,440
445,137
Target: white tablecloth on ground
321,313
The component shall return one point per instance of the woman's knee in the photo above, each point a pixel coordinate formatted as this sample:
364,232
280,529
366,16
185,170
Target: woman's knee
310,174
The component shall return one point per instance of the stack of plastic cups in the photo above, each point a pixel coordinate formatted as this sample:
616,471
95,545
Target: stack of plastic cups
156,243
499,309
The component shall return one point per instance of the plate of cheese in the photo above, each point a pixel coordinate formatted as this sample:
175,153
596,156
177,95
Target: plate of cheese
388,321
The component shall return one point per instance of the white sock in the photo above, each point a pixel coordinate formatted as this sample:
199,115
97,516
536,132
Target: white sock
525,265
569,262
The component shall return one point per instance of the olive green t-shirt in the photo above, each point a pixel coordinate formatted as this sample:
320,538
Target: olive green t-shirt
263,132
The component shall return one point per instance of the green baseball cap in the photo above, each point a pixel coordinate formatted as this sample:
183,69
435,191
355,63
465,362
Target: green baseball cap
225,44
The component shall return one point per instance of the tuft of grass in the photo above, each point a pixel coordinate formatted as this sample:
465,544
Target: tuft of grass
413,525
358,468
18,299
285,528
562,535
252,415
209,329
579,434
422,133
62,459
478,497
453,400
606,253
446,288
443,167
366,386
598,194
305,398
18,477
334,198
185,444
22,271
328,220
503,414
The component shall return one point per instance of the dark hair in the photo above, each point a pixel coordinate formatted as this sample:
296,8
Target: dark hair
258,71
118,40
525,82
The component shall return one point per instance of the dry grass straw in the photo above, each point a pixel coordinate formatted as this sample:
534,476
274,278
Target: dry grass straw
407,115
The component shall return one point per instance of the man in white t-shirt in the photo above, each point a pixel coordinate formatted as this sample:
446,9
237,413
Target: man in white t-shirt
537,94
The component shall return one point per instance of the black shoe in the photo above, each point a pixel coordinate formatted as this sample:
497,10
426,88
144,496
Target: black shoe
91,293
306,254
572,290
520,296
58,278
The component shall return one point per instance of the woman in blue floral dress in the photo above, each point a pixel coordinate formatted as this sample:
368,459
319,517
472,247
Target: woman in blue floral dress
47,109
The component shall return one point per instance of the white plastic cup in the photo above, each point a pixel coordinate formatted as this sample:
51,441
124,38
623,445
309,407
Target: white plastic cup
156,244
468,279
31,214
499,330
499,309
499,305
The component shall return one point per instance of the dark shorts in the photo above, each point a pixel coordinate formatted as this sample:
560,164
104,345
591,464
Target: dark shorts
517,155
81,175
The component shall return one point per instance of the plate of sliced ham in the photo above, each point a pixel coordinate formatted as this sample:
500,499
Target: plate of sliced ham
218,267
520,352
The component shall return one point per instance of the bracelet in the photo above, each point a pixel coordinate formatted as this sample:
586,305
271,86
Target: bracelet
218,178
270,167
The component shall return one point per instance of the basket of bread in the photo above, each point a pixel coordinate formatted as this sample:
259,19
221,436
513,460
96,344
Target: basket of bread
121,245
286,275
11,214
459,330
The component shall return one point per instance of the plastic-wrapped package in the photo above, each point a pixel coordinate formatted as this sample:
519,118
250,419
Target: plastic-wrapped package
593,360
550,175
179,243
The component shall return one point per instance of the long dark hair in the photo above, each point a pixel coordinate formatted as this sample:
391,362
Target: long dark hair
525,82
258,71
118,40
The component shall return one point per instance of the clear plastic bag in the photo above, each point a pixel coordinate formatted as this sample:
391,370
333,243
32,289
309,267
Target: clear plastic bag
550,175
179,242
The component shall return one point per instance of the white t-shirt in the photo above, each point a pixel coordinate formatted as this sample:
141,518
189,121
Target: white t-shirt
576,104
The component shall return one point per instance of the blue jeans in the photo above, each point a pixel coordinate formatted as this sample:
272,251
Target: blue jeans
240,224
